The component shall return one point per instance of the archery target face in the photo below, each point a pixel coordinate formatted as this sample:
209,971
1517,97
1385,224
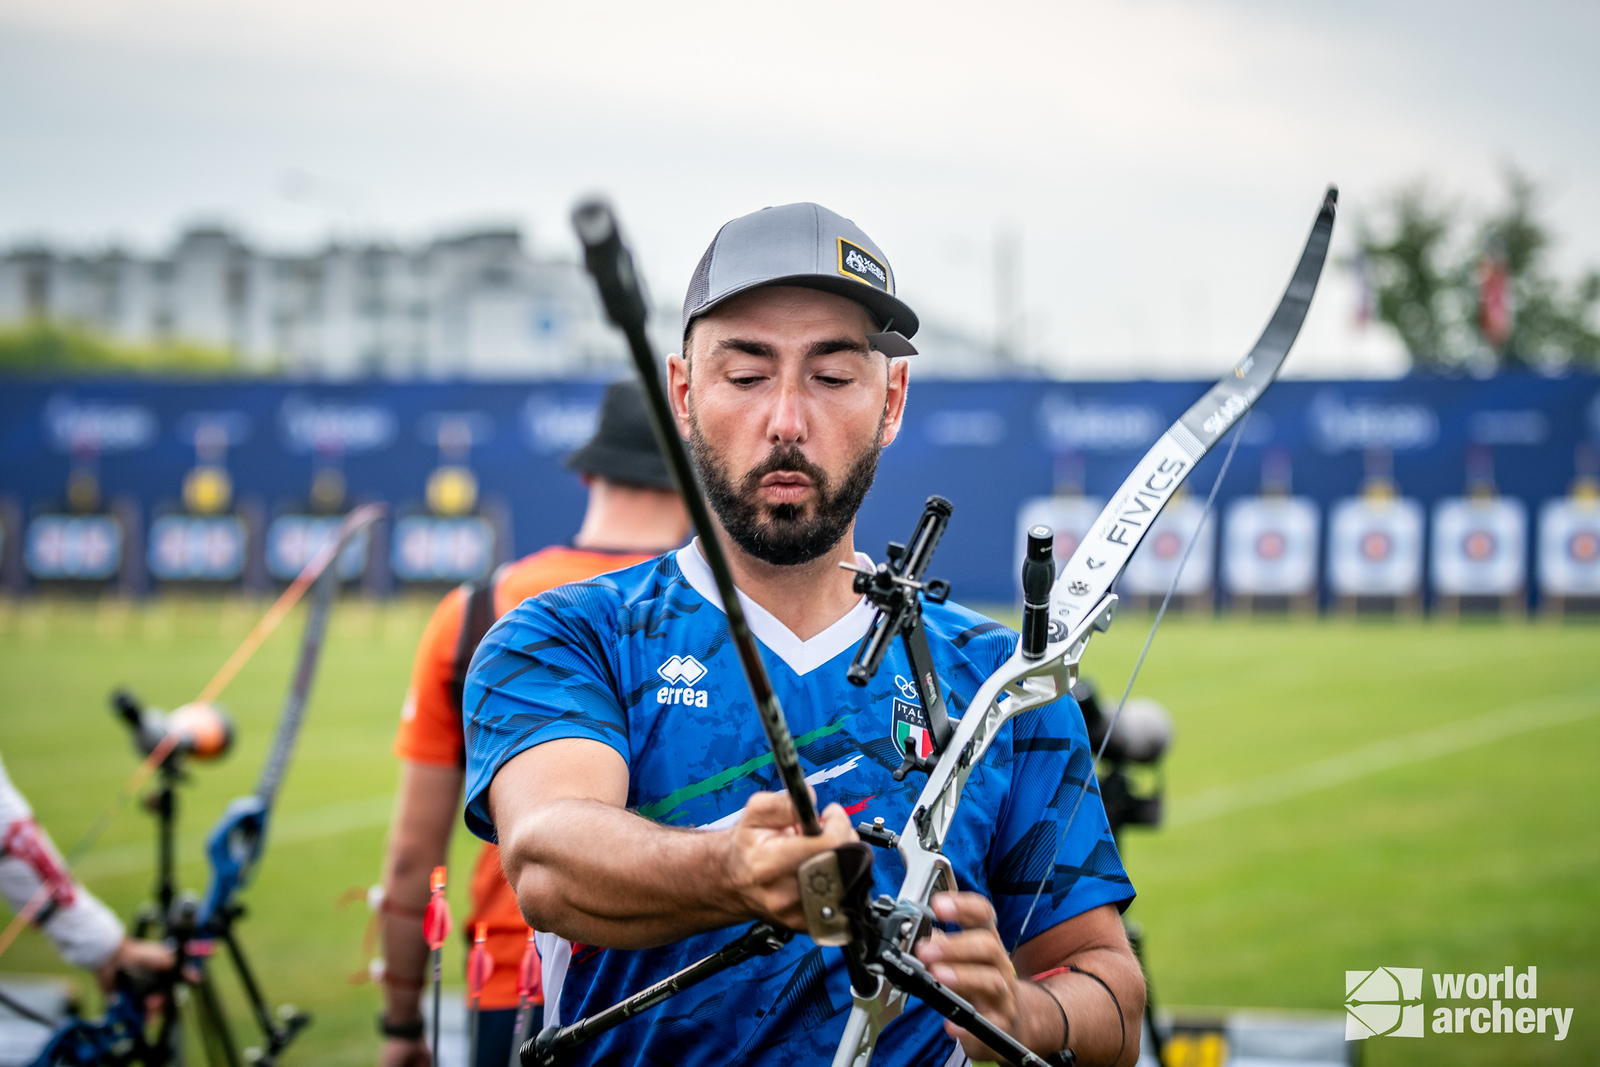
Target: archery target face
1478,546
1270,546
1569,548
1156,560
1375,547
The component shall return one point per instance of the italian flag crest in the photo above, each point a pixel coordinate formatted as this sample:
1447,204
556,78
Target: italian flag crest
909,724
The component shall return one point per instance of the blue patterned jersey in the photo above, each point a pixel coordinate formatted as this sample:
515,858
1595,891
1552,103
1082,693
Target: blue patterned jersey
641,660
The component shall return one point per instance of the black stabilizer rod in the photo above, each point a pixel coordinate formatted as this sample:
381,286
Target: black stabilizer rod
547,1048
1038,576
905,971
611,265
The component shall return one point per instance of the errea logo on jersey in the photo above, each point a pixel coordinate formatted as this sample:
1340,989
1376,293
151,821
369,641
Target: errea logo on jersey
684,669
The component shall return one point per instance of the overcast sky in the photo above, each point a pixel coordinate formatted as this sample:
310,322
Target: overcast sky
1160,162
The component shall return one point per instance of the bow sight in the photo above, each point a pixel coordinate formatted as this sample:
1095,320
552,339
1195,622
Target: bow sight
892,588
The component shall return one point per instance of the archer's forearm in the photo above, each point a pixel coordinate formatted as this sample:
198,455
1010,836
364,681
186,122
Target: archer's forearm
419,840
598,874
1098,1035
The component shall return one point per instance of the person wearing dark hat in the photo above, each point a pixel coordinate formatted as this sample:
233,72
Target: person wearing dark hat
607,718
633,514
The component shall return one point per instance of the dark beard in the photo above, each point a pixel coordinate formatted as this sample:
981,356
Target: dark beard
784,535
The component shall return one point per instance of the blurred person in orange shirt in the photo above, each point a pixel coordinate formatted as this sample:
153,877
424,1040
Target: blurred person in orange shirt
633,514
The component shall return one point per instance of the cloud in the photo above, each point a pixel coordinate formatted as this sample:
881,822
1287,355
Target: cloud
1160,160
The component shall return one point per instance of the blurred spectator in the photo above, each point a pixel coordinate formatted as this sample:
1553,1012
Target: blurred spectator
33,875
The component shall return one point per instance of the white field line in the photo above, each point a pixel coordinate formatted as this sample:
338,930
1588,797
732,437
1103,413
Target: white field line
286,829
1386,755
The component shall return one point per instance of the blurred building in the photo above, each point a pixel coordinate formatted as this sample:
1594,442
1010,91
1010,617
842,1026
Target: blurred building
475,305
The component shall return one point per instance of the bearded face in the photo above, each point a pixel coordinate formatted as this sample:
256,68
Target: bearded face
785,535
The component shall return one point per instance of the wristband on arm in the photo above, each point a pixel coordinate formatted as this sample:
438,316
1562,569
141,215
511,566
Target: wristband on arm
406,1031
1063,1056
1122,1021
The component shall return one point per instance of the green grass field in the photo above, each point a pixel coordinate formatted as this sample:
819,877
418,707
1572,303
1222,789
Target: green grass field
1342,795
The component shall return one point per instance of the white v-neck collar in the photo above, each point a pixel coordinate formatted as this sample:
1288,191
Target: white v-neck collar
802,657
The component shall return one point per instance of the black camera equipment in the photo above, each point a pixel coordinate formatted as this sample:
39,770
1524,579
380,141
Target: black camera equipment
1140,738
204,730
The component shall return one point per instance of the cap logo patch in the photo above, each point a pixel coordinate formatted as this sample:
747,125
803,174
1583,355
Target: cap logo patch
856,262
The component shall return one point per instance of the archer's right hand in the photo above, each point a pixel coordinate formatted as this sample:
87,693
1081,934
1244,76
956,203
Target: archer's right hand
767,850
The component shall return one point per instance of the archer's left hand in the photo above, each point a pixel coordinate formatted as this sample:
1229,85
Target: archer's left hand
975,964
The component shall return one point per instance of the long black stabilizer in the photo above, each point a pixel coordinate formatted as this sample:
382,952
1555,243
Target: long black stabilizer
611,265
552,1043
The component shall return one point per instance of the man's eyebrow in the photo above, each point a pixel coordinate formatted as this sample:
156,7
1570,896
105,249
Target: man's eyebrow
837,344
816,348
749,348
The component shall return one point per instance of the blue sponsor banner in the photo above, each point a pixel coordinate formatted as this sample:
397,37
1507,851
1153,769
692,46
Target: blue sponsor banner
987,445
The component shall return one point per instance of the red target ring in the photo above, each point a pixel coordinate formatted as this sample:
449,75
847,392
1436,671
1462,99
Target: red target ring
1271,545
1376,546
1479,546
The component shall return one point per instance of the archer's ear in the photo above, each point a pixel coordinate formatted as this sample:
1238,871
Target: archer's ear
678,393
899,384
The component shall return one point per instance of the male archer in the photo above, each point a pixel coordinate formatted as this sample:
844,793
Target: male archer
615,753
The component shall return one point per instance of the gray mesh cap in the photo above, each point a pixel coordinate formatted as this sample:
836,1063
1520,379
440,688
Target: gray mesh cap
805,245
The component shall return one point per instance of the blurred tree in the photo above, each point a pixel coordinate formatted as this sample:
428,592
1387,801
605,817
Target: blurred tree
1413,278
1478,300
1551,324
41,347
